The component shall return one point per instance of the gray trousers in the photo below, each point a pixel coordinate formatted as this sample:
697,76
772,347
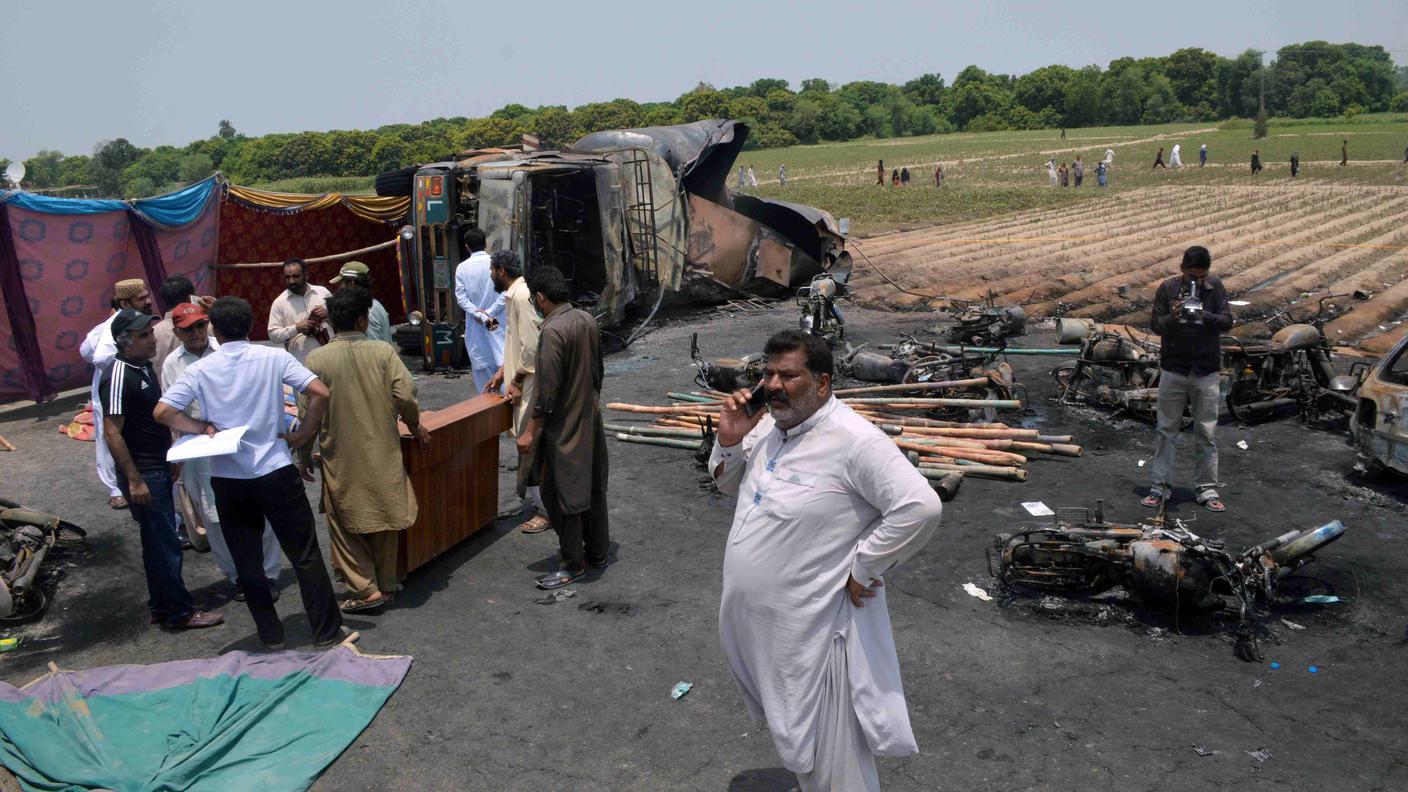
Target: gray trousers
1201,395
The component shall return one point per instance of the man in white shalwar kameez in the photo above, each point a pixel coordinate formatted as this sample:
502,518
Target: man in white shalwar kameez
1176,157
100,350
826,506
483,311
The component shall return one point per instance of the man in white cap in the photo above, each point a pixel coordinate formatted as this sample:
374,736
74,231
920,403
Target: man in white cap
355,273
99,349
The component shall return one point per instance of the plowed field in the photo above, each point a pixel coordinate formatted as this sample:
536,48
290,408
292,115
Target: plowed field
1103,258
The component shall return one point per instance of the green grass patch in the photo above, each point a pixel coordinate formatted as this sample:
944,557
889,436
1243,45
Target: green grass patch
317,185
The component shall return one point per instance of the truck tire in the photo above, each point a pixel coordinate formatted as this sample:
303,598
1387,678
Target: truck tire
396,183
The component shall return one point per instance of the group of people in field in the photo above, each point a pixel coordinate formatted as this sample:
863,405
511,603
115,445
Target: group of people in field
899,177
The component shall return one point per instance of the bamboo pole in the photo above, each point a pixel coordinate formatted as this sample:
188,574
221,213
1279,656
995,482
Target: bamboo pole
949,442
916,402
1055,439
906,420
917,386
690,397
656,431
985,471
986,456
654,410
668,442
976,432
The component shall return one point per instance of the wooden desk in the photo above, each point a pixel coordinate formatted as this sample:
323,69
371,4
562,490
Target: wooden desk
456,479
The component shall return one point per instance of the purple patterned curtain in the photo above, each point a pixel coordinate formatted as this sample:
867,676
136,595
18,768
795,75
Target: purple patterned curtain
37,385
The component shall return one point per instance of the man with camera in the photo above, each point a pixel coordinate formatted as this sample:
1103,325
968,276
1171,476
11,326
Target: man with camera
1190,315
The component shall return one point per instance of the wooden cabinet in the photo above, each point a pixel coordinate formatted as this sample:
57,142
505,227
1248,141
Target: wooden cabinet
456,479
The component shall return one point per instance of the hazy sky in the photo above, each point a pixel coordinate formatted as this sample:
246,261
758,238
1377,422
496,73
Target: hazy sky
73,73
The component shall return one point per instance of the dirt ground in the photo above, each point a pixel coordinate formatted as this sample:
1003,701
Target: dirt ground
1023,692
1103,258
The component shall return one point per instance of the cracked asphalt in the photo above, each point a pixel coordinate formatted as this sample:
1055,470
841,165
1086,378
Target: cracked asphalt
1023,692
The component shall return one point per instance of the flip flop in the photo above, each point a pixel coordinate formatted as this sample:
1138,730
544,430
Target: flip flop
117,503
1214,505
536,524
355,605
1152,501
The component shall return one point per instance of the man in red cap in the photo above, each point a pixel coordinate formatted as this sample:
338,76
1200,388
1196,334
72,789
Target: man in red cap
192,328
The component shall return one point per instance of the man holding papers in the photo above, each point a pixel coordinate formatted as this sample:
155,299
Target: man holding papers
242,385
192,330
128,392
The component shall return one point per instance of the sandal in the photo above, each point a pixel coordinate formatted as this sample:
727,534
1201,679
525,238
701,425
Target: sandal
1214,505
1152,501
560,578
356,605
117,503
536,524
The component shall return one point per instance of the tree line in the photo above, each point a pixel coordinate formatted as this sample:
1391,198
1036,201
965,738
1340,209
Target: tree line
1313,79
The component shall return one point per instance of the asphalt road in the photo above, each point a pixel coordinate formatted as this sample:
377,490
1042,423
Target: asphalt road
1018,693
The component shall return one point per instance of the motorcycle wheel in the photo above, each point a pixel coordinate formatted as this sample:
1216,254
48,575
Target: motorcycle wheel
1241,394
1064,375
28,608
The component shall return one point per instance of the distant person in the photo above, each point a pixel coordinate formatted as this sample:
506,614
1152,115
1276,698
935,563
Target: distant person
483,311
904,176
1078,171
1063,133
752,177
298,317
1051,171
1102,170
1159,159
880,174
1175,157
782,175
1202,155
1063,175
939,175
1256,162
1344,152
895,177
740,177
1295,163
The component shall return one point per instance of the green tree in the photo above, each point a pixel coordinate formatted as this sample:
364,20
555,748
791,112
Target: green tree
750,109
512,112
616,114
1161,104
305,154
803,122
390,153
1081,104
110,159
1193,74
701,104
1124,92
818,85
554,127
226,130
766,85
43,170
926,89
194,167
837,120
1044,88
490,132
349,153
75,170
1399,103
139,187
662,114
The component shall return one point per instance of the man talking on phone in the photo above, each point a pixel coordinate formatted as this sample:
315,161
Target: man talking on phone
827,505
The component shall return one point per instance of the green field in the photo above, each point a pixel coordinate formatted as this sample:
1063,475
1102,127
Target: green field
990,173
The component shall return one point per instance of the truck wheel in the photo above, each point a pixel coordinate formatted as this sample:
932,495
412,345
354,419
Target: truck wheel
396,183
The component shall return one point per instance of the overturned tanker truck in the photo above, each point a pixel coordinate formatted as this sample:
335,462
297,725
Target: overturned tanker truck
632,217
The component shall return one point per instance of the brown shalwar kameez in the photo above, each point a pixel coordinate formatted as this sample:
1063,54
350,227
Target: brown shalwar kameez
367,495
570,459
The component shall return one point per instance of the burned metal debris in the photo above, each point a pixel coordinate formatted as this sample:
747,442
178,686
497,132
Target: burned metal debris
1380,425
1160,561
988,324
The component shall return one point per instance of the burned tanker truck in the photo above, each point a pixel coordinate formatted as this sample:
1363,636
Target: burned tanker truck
634,218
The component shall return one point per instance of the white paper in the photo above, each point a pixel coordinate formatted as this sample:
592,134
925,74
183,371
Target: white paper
974,591
1238,303
1037,509
198,446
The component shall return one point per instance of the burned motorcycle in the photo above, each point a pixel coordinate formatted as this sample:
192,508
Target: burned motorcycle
726,374
1115,368
26,537
988,324
1160,560
982,375
1292,370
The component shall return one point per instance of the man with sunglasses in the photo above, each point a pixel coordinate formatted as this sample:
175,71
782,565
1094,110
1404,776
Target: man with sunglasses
192,329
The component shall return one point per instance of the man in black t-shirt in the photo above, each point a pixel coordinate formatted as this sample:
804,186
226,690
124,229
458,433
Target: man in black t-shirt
129,394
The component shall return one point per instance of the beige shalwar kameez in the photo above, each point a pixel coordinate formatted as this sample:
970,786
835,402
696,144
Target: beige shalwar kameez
520,358
367,495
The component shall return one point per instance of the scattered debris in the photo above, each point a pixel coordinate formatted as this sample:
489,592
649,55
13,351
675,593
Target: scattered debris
10,644
1292,624
1037,509
1274,665
1321,599
1256,683
1242,444
561,595
680,689
974,591
1313,669
1202,750
1260,756
1141,463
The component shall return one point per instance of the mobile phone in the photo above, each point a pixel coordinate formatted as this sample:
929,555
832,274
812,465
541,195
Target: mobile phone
757,400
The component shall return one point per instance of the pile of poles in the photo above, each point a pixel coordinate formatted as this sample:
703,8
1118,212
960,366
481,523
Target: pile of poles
943,451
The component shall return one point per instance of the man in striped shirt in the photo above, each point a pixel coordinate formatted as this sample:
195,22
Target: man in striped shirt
129,393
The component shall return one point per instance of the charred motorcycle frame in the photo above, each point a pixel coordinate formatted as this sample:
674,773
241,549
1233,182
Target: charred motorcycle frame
1160,560
1116,367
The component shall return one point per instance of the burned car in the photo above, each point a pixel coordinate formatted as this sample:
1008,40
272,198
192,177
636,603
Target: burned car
1380,425
633,217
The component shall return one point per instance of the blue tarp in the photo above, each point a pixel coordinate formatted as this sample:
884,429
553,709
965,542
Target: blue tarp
168,211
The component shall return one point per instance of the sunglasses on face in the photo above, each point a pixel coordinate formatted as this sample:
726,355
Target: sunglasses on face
197,325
